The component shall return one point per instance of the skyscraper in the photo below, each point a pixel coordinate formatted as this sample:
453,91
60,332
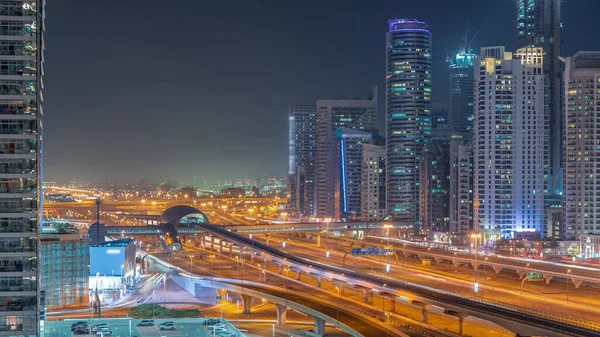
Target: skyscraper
349,184
372,195
508,143
461,189
434,171
460,115
539,25
582,152
302,149
354,113
408,112
21,70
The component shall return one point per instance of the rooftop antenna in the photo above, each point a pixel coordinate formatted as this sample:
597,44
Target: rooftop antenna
98,201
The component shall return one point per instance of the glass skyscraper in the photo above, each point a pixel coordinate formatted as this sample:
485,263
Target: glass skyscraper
539,25
408,110
460,116
21,70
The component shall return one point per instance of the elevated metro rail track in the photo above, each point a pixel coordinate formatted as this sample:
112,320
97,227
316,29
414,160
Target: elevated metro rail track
547,322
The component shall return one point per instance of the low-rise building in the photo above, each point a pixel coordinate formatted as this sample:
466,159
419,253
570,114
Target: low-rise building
64,269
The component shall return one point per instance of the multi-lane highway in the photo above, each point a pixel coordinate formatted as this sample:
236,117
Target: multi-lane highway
474,305
501,288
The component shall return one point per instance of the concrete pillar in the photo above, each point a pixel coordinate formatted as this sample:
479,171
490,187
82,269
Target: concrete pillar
319,326
548,278
318,240
497,269
475,265
246,304
576,282
366,296
318,281
281,313
424,315
461,325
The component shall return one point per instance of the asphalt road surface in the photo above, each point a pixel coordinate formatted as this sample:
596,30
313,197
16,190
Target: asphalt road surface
359,324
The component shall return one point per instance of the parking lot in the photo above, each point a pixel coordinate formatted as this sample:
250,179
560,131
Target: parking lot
121,328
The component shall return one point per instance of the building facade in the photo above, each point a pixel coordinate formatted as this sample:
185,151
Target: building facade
65,260
539,25
440,127
461,190
508,142
582,152
460,113
408,113
21,70
332,114
372,201
302,150
350,143
434,190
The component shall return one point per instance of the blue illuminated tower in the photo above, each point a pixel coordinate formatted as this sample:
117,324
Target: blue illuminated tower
408,112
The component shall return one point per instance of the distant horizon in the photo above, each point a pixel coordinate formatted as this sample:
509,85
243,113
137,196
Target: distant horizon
192,97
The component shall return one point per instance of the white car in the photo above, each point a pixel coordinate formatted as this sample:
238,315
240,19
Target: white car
167,326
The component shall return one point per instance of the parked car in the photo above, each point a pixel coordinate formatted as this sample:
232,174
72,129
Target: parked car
82,324
212,321
104,330
81,331
167,326
101,325
78,327
146,322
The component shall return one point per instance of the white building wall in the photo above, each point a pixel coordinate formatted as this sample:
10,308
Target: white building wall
509,142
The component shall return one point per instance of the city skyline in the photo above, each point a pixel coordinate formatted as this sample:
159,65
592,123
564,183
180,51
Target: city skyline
127,131
437,199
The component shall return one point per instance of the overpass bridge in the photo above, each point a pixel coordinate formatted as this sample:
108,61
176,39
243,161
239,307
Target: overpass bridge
321,310
190,221
520,319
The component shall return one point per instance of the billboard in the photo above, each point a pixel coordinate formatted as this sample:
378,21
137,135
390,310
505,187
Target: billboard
107,261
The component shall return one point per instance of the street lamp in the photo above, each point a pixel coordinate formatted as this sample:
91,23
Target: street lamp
191,265
568,273
387,227
212,257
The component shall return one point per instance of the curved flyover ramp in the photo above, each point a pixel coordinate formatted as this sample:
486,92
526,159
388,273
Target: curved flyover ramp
354,324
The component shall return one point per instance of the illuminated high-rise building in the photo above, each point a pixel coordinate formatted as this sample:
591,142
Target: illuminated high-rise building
508,143
434,171
461,190
21,70
539,25
350,143
302,148
582,151
372,195
408,113
460,114
332,114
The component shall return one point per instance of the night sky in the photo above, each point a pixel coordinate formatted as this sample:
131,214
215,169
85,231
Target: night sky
198,90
